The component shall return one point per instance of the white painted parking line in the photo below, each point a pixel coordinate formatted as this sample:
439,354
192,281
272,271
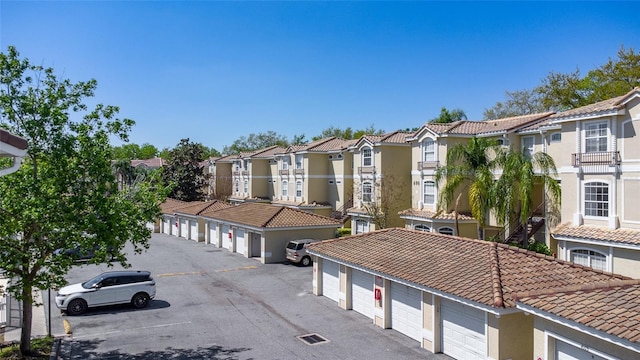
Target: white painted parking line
133,329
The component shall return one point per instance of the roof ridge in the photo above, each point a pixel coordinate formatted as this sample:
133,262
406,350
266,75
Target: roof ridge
273,216
575,288
496,281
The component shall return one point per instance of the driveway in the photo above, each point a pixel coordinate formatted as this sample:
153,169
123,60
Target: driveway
213,304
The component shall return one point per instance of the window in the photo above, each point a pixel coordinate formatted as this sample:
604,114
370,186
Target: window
285,163
299,188
429,193
298,161
245,186
503,142
596,199
595,137
421,227
527,145
429,150
245,164
236,165
285,188
366,157
367,190
446,230
556,137
362,226
237,186
590,258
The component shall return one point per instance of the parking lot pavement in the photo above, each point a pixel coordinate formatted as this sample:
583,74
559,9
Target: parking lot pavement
213,304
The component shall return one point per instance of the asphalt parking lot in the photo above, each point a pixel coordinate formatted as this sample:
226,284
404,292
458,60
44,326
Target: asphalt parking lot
213,304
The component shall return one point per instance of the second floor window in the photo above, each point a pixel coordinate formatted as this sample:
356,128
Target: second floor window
446,230
298,161
285,163
246,186
429,193
366,157
285,188
421,227
590,258
596,199
527,145
367,192
595,137
429,150
299,188
237,186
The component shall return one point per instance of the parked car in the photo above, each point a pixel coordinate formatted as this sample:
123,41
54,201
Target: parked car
297,251
80,255
109,288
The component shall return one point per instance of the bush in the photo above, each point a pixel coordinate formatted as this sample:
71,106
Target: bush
539,248
343,232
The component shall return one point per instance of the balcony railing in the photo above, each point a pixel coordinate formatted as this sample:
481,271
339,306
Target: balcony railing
366,170
236,173
596,161
245,173
428,165
284,172
298,172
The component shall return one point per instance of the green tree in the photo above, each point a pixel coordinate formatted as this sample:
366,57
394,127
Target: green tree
64,195
255,142
522,102
469,169
514,189
347,133
135,151
184,171
147,151
449,116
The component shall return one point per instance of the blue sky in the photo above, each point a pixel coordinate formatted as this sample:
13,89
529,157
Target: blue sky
214,71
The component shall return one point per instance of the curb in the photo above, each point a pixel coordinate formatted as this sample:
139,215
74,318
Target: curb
55,349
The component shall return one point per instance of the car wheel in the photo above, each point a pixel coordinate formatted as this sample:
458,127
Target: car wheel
140,300
76,307
306,261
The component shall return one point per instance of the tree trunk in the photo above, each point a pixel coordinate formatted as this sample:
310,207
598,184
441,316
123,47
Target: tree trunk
27,312
455,219
525,237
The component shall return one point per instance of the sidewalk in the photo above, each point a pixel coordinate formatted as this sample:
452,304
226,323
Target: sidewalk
39,323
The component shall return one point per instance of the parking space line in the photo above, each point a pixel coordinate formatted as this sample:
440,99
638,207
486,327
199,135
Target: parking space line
181,274
249,267
133,329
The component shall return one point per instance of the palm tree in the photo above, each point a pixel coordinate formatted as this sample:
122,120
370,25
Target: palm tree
469,168
515,187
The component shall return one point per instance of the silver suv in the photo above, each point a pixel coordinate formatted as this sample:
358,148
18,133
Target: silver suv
109,288
297,251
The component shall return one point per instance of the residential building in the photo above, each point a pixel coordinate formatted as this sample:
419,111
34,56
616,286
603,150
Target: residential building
219,177
382,182
13,147
250,175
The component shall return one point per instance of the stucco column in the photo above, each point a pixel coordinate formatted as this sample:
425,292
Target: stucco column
346,296
316,283
382,310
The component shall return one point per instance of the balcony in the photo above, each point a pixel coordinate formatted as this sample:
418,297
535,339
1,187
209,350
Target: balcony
236,173
245,173
284,172
428,165
298,172
364,170
596,162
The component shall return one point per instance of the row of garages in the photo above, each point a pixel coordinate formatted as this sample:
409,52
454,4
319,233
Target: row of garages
254,230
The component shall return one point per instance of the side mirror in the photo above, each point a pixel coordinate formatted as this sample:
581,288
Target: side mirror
97,286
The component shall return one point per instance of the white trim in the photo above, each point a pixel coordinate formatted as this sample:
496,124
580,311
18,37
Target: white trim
579,327
555,336
608,265
559,120
583,184
597,242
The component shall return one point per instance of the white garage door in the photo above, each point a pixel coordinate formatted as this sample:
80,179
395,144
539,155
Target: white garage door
183,228
226,240
193,233
463,335
362,292
166,226
406,310
174,227
566,351
213,233
240,246
330,280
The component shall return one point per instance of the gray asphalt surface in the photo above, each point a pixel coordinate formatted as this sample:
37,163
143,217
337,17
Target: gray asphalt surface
212,304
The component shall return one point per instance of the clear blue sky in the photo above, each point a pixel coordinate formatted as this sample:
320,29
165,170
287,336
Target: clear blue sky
214,71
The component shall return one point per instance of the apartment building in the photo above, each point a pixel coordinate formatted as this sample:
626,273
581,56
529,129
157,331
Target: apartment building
251,172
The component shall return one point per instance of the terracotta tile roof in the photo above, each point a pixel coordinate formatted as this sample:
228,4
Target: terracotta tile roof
226,158
599,108
13,140
200,207
467,127
612,307
169,205
151,163
269,216
485,272
428,214
334,144
395,137
264,153
215,206
623,236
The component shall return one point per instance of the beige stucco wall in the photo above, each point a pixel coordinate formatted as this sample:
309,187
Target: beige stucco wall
516,336
316,183
396,166
628,196
275,242
258,173
626,262
543,337
428,320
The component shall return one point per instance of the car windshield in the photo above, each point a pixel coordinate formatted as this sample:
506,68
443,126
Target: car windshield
90,283
292,246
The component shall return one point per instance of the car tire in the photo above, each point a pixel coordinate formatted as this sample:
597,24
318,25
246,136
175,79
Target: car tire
306,261
140,300
77,307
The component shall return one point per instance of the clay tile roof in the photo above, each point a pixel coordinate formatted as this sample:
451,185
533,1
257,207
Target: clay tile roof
169,205
332,144
266,152
611,307
480,271
12,140
624,236
601,107
202,207
151,163
428,214
269,216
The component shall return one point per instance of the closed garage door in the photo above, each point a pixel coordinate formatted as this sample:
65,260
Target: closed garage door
166,226
184,228
406,310
226,240
566,351
193,233
174,227
240,246
330,280
362,292
213,233
463,334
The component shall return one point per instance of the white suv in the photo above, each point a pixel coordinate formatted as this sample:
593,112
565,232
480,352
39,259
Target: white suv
109,288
